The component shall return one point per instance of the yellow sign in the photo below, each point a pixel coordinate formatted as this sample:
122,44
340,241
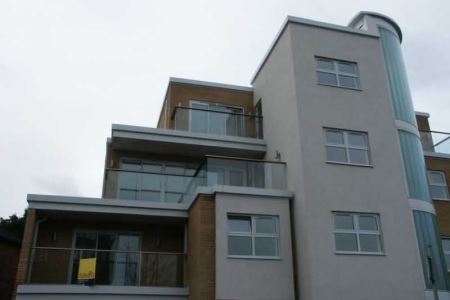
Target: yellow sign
86,270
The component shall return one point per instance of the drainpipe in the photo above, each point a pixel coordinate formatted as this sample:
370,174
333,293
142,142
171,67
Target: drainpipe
36,231
431,273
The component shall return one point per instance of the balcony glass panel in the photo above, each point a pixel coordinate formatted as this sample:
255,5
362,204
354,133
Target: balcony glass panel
435,141
113,267
177,184
217,119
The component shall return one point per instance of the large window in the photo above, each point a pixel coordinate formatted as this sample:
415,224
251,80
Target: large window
253,236
215,118
357,233
347,147
153,181
438,185
117,256
337,73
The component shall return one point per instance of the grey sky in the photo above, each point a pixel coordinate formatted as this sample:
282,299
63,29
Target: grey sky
69,69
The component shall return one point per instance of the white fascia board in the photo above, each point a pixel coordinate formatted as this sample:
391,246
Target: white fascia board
102,205
72,289
436,154
422,114
210,84
186,137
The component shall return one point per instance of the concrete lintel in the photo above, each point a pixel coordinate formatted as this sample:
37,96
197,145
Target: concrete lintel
101,205
245,191
65,289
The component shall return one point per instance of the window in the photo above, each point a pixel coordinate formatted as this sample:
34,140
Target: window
217,119
253,236
446,247
347,147
337,73
117,256
438,185
357,233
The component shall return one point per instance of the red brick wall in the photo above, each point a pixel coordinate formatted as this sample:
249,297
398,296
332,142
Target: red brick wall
25,250
202,249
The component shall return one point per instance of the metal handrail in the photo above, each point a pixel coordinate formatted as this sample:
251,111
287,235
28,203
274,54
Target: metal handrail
106,250
214,111
145,172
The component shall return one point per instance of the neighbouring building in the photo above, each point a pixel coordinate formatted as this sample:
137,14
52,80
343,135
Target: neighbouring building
9,258
309,184
436,146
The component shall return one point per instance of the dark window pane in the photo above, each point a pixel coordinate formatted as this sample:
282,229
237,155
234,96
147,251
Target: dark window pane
239,245
266,225
327,78
199,118
357,139
266,246
325,64
439,192
336,154
436,177
359,156
368,223
236,178
128,194
86,240
347,81
154,196
346,242
343,222
107,241
370,242
151,181
334,136
347,67
239,224
446,245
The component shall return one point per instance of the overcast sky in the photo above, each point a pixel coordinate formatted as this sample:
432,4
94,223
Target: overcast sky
69,69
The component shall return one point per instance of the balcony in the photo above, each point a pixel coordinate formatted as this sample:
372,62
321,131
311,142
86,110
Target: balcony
120,268
435,142
179,185
218,120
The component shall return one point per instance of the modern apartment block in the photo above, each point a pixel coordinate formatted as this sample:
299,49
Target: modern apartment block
309,184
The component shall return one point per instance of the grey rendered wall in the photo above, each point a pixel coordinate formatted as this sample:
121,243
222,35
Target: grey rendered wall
253,279
325,188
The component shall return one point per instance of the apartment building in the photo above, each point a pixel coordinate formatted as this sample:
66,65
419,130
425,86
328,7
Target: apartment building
308,184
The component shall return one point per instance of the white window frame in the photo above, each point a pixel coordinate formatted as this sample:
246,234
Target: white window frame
252,234
441,173
211,104
347,146
357,231
337,73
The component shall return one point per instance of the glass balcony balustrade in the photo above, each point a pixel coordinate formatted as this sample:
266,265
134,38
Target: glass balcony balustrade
180,186
435,141
220,120
123,268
